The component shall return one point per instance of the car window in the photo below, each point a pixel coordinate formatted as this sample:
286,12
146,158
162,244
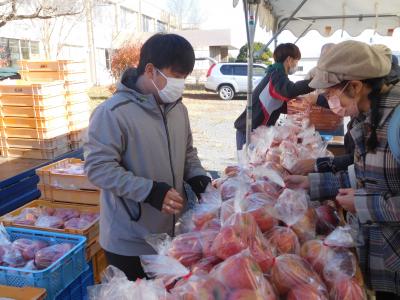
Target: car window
240,70
259,71
227,70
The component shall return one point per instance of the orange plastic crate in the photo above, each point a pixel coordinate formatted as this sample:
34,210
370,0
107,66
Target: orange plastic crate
52,65
58,142
34,112
68,181
47,101
34,153
24,88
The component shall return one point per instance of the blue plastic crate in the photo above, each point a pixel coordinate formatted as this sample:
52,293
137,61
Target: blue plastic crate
78,289
54,278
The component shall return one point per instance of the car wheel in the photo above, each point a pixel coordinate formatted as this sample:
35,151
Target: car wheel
226,92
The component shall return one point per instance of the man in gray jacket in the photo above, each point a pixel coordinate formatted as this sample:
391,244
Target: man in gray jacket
140,151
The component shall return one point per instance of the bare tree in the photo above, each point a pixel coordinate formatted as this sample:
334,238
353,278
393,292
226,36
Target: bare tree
12,10
188,12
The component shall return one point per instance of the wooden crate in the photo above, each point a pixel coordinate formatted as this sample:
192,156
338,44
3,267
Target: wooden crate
37,123
92,248
22,293
78,108
77,136
76,87
99,265
78,126
44,102
76,145
88,197
82,117
34,153
49,177
91,232
75,98
45,76
322,118
24,88
58,142
52,65
33,133
34,112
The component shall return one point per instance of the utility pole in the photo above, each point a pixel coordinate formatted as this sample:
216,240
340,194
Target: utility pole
90,39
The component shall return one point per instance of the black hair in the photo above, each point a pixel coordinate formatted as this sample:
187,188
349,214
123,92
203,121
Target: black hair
283,51
167,51
374,97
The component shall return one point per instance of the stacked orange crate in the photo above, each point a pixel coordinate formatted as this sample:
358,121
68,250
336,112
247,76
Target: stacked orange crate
34,120
75,78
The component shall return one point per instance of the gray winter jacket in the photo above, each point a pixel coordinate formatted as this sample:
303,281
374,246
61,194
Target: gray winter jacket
133,143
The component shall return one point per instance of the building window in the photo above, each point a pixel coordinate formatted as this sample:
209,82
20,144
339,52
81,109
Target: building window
12,50
161,27
127,19
300,68
147,24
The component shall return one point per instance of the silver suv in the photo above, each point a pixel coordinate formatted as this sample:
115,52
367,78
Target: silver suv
230,79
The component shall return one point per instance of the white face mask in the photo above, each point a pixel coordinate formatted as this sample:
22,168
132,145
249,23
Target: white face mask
172,91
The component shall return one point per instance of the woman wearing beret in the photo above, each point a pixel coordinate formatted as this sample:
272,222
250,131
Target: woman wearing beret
352,76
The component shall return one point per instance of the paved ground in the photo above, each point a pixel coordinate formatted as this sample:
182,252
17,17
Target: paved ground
212,126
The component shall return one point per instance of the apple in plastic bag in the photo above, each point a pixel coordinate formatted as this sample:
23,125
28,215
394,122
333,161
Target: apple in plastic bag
327,219
28,247
240,271
186,248
259,206
306,292
316,254
45,257
283,240
290,271
348,289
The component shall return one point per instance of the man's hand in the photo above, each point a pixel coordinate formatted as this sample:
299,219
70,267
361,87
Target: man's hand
303,167
346,199
173,203
297,182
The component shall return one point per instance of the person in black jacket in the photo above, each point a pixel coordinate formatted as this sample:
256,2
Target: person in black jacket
271,95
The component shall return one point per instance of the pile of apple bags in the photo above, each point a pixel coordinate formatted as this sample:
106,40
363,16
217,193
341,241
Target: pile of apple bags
252,238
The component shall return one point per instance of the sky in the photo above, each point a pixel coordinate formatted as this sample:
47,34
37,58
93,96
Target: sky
220,14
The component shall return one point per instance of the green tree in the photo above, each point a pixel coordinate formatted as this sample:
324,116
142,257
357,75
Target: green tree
264,57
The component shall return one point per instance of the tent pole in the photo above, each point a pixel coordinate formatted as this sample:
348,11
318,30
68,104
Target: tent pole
250,12
280,29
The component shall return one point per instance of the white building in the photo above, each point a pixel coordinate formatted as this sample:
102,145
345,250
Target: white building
89,37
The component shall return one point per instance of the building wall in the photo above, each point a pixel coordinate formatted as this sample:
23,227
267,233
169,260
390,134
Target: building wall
70,38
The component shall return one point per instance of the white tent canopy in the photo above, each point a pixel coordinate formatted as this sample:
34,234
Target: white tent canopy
328,16
325,16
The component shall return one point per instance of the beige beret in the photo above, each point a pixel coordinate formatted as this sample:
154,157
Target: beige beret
351,60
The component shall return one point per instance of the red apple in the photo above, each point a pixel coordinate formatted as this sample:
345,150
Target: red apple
283,240
199,287
347,290
240,271
186,248
229,241
316,254
306,227
206,264
306,292
290,271
327,219
259,206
